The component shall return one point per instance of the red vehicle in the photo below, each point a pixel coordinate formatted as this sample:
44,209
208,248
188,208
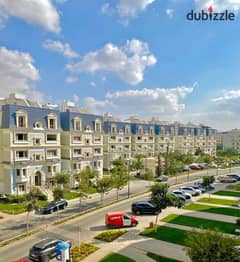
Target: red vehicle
120,219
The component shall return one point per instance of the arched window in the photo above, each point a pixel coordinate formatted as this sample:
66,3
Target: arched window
52,121
77,124
21,119
98,125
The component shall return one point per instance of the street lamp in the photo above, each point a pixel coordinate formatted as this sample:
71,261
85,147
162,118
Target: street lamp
128,177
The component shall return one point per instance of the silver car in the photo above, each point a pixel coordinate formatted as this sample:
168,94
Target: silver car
190,190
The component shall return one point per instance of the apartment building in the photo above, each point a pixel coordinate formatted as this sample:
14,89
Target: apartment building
231,139
81,142
30,152
117,142
37,141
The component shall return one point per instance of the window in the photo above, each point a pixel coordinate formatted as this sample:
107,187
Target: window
54,169
113,128
49,169
97,126
51,137
77,152
21,188
113,146
52,121
52,152
88,128
37,157
140,130
139,138
77,138
97,139
77,124
37,124
21,121
21,137
24,172
112,137
97,150
126,138
151,131
36,141
87,141
18,172
162,131
127,129
21,154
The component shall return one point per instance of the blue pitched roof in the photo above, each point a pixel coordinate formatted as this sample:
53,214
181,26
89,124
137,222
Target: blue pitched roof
35,114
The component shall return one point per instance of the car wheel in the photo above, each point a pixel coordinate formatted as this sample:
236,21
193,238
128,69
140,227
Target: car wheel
51,211
134,224
156,212
138,212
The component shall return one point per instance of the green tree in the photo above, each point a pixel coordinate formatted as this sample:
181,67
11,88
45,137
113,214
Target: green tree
58,193
207,182
211,246
161,198
119,174
84,179
159,168
62,179
103,185
31,206
137,163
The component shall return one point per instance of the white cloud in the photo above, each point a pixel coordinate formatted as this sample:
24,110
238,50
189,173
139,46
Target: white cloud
75,98
71,79
17,71
59,47
93,84
129,9
144,102
128,61
106,9
169,13
61,1
38,12
219,5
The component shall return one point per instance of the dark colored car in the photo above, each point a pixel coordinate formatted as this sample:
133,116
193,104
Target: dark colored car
54,206
44,250
235,176
144,207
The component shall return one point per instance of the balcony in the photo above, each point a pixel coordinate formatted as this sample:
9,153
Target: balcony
22,179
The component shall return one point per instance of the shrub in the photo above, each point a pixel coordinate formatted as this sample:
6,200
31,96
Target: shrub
110,235
238,221
147,176
36,193
85,249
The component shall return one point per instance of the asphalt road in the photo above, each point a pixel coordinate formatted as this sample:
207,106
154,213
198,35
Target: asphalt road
84,227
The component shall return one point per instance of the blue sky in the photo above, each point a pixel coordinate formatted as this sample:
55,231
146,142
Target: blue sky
127,57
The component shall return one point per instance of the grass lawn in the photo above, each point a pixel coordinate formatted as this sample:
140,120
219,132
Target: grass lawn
160,258
172,235
18,208
115,257
223,227
227,193
219,201
70,195
213,209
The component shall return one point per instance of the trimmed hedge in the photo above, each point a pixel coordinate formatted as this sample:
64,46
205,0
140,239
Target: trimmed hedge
110,235
85,249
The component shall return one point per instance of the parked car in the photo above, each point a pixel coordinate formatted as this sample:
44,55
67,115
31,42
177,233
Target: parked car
180,196
120,219
144,207
181,193
45,249
203,165
200,184
202,189
235,176
162,178
54,206
212,165
190,190
226,179
186,168
195,167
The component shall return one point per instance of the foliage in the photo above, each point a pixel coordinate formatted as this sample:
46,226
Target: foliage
137,164
238,221
61,179
228,152
116,258
58,193
159,168
159,195
211,246
36,193
207,181
85,249
160,258
110,235
147,176
198,152
103,185
203,223
31,205
70,194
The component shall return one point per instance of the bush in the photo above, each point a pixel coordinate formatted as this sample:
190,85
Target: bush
15,199
36,193
58,193
238,221
85,249
110,235
147,176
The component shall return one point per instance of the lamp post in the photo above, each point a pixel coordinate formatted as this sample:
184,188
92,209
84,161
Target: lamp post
128,171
